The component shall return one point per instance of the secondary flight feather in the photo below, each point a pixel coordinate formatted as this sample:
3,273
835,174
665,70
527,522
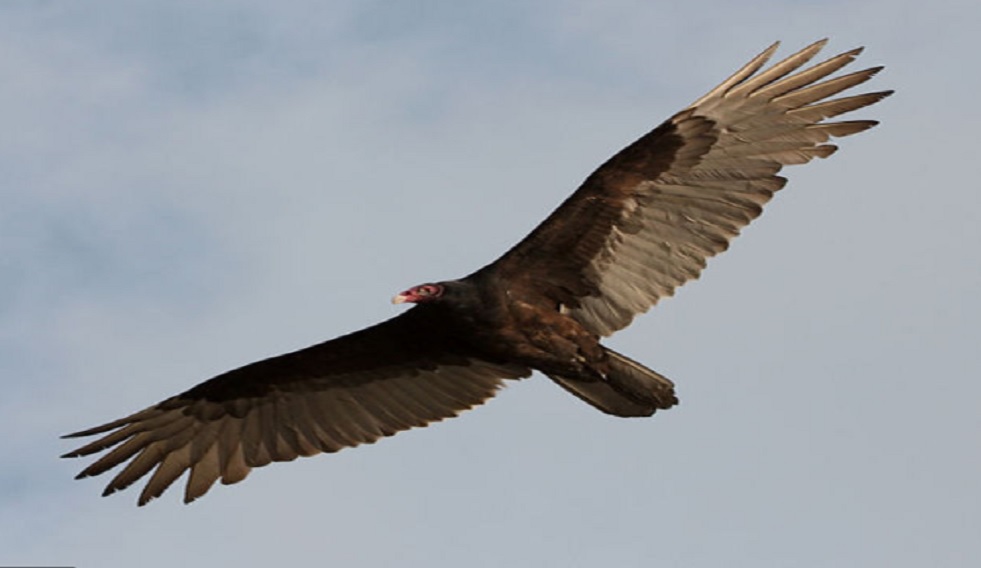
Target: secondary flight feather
644,223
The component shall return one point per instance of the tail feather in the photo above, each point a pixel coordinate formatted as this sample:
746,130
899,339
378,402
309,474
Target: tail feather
629,389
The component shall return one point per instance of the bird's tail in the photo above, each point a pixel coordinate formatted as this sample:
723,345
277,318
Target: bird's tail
629,389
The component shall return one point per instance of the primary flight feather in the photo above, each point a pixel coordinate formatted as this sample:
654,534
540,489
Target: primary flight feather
638,227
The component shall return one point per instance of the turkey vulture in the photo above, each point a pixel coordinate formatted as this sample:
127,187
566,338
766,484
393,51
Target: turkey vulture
638,227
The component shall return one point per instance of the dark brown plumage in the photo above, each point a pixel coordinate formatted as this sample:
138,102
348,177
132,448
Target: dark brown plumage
641,225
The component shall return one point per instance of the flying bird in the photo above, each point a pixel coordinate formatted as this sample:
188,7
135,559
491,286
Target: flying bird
642,224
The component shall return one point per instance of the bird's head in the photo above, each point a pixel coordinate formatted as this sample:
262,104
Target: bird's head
420,294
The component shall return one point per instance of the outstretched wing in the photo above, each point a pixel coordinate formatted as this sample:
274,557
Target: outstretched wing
647,220
353,390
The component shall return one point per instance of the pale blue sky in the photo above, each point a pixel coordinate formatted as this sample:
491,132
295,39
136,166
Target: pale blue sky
191,186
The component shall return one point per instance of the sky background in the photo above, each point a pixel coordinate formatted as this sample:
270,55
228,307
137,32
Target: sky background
189,186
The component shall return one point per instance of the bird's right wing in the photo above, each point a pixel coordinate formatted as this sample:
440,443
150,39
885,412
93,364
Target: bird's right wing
402,373
648,219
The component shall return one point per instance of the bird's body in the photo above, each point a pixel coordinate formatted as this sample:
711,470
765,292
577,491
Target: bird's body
642,224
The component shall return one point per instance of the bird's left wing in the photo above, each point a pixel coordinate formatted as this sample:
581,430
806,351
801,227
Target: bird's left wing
647,220
399,374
